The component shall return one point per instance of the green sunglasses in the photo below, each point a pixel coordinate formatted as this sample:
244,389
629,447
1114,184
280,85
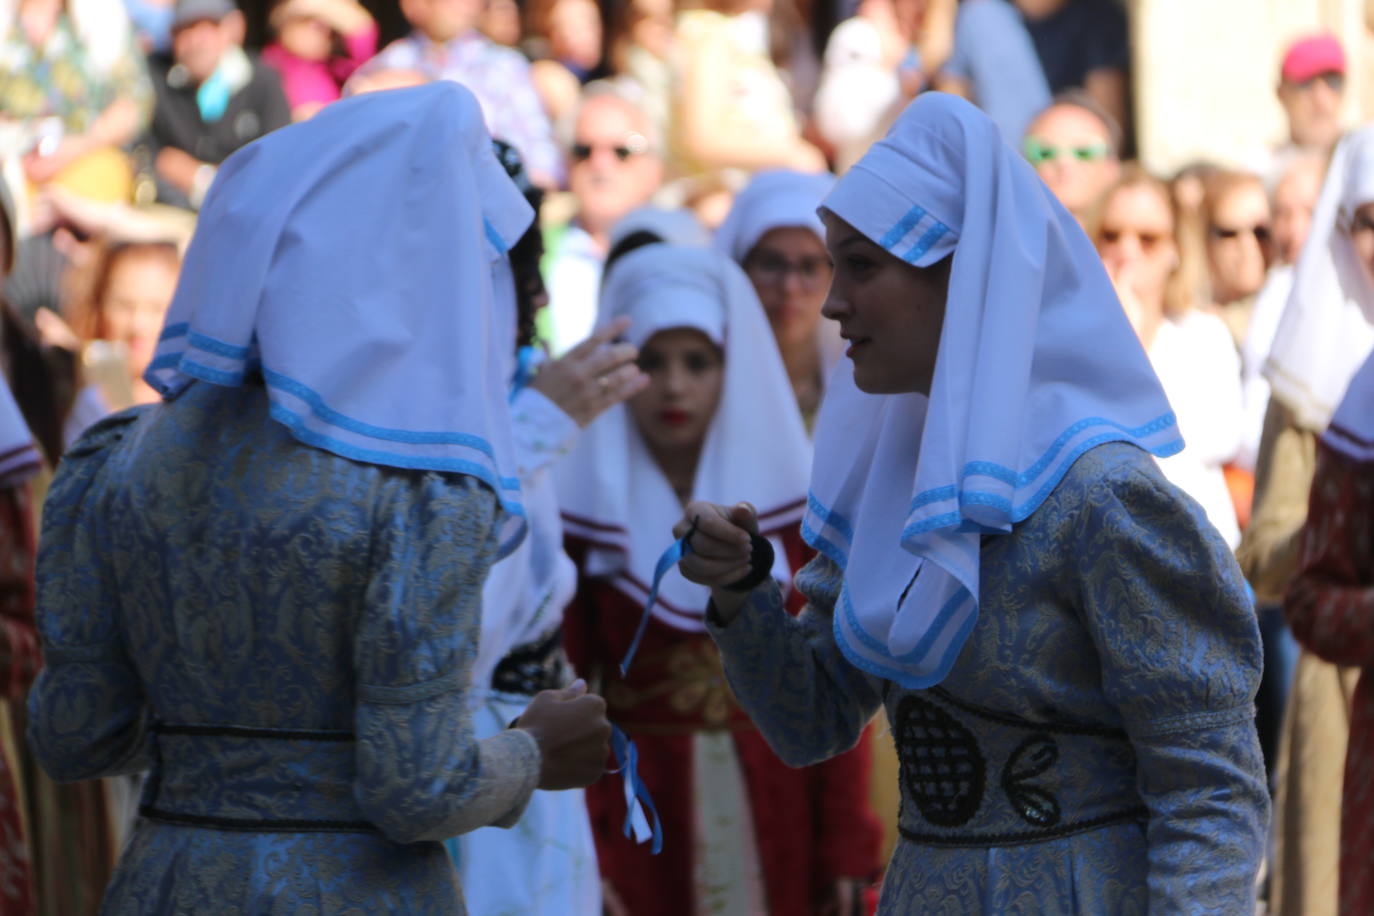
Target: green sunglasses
1037,152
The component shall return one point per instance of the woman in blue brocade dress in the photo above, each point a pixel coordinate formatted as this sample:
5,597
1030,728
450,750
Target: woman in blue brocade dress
1063,644
266,589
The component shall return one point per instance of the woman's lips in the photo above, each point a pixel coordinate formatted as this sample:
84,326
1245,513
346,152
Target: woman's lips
855,344
674,417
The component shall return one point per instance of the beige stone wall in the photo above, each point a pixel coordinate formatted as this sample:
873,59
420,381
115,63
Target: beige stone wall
1206,71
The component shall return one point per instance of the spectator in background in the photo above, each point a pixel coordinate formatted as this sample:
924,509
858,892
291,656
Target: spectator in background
1235,211
317,46
1082,44
995,65
570,33
1294,199
773,232
732,109
1331,608
615,166
1311,90
446,44
874,63
1075,148
641,49
121,301
212,99
501,22
1322,339
73,91
1189,348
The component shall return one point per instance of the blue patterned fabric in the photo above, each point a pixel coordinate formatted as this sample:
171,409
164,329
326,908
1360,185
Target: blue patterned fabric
284,637
1093,748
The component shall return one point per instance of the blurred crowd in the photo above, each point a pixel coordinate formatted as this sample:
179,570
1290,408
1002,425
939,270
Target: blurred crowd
640,120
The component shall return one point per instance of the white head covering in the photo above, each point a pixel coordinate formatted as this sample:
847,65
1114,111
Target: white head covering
358,257
675,225
1036,364
1352,428
1326,331
772,200
612,492
19,457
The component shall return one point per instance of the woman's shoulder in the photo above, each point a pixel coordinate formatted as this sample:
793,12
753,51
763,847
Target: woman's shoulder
1110,474
104,436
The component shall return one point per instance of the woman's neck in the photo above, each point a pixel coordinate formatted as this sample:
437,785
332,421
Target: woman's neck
679,465
802,360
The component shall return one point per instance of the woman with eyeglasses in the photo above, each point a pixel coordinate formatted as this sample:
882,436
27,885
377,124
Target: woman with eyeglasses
744,834
773,232
1149,257
1235,213
1063,644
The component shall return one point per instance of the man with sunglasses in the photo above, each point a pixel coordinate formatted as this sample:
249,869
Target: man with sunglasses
1311,90
1074,145
615,164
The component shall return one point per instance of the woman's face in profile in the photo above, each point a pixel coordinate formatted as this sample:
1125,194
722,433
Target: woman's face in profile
889,312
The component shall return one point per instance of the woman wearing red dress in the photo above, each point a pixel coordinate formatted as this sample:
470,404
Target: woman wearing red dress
1330,606
743,832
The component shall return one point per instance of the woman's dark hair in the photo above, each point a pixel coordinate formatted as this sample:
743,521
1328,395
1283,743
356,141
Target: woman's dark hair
636,239
528,250
44,380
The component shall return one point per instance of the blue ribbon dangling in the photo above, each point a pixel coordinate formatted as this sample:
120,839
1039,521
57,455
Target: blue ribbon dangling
526,361
671,557
638,826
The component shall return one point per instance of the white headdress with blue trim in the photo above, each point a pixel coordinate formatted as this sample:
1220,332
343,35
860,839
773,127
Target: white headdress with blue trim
357,260
773,199
1037,363
1327,327
613,494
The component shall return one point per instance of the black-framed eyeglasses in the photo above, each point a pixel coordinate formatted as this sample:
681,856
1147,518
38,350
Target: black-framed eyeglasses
1261,232
633,145
772,268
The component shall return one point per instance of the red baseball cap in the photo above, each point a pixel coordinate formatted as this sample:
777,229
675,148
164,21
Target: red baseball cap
1311,57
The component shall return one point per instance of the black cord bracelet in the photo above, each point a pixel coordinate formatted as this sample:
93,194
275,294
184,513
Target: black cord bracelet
760,564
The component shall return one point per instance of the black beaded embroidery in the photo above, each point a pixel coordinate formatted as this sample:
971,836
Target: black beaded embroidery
1031,758
942,766
533,667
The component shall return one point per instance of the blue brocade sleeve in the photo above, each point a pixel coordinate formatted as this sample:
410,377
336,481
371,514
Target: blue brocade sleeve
1167,608
87,711
421,772
788,674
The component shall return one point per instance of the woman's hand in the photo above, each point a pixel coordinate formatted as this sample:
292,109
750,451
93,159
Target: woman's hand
573,735
721,548
593,376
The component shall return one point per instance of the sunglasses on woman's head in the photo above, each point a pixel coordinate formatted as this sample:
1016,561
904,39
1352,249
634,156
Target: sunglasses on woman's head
1037,151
